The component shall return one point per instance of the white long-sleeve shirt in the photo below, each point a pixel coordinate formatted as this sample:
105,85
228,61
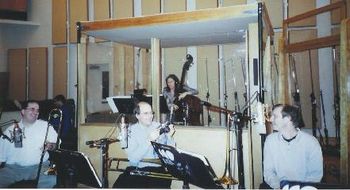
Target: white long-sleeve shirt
30,153
298,160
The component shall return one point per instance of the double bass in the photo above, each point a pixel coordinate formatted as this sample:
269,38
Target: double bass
190,108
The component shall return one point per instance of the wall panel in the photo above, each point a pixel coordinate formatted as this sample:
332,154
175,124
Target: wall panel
123,8
295,8
59,18
37,73
101,9
204,4
150,7
275,11
78,12
233,2
59,71
17,59
129,70
174,6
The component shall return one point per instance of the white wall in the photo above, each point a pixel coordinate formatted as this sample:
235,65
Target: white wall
19,36
29,36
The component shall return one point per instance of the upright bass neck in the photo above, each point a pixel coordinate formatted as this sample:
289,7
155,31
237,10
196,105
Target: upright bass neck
185,68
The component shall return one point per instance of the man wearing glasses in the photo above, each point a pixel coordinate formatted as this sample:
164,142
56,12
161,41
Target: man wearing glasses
21,156
139,147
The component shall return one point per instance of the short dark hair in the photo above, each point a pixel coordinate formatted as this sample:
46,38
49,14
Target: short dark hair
60,98
26,103
294,113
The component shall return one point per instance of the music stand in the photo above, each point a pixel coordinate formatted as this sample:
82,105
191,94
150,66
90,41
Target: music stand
188,167
74,167
122,104
163,107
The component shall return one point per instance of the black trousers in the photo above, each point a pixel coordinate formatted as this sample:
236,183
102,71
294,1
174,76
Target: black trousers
125,180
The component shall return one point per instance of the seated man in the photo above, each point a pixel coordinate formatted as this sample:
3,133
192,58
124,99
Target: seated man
139,147
291,154
22,157
68,133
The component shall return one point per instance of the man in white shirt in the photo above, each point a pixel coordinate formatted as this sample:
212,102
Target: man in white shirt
21,160
291,154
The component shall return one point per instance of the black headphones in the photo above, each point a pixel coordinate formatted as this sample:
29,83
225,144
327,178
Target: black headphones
137,110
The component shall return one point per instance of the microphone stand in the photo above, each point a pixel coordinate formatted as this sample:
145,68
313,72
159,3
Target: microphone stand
36,182
208,93
104,145
314,104
238,124
238,121
225,95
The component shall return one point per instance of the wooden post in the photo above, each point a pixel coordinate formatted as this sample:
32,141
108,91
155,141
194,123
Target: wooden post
283,87
155,48
81,103
344,101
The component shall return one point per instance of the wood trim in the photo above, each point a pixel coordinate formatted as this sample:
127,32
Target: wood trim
344,102
315,12
313,44
170,18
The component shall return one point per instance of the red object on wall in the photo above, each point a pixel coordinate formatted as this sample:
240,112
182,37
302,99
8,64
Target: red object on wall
15,5
13,9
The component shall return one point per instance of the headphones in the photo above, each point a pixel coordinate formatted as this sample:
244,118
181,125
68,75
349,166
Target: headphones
137,110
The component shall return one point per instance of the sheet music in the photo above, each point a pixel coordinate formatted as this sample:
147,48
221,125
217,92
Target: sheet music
92,169
110,101
205,161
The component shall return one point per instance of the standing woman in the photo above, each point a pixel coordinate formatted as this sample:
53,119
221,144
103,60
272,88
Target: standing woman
174,91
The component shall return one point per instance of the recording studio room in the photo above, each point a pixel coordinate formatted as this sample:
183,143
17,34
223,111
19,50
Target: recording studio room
213,73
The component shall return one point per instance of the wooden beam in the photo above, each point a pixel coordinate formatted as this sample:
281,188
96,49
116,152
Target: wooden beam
344,101
283,87
170,18
155,48
315,12
82,99
313,44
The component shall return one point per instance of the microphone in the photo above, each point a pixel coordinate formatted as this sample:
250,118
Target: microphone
89,142
164,128
204,103
17,136
123,133
189,58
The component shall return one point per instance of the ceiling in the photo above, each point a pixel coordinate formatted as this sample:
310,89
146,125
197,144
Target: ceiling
215,26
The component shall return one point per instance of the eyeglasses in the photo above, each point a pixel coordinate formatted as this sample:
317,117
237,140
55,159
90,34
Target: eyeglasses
33,110
147,113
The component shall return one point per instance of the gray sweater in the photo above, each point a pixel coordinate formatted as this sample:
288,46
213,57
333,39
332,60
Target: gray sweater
139,146
298,160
